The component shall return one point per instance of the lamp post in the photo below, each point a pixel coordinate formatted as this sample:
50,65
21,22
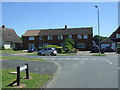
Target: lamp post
98,29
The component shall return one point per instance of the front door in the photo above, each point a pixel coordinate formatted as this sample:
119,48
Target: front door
31,45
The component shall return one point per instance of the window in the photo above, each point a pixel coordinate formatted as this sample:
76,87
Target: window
49,48
40,45
45,48
117,35
31,38
62,44
85,36
50,37
40,37
60,37
31,45
79,36
45,44
81,45
69,36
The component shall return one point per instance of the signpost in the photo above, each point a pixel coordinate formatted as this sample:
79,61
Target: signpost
25,67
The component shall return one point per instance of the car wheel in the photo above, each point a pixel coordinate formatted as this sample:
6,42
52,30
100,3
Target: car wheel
52,54
40,54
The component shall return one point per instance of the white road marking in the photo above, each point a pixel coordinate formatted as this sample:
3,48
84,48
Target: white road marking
76,58
108,61
59,58
67,58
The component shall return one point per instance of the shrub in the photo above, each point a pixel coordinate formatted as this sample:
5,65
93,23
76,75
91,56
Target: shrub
68,44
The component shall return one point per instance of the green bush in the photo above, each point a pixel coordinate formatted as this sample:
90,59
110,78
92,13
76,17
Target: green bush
58,48
68,44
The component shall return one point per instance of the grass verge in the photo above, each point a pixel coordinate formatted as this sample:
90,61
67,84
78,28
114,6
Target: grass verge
21,58
35,81
59,54
98,55
66,54
9,51
34,54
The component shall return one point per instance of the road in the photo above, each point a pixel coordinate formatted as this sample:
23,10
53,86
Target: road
85,71
38,67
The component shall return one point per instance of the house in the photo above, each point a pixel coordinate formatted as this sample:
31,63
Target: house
83,37
108,42
9,39
113,40
115,36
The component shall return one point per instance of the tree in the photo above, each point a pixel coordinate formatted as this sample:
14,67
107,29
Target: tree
96,38
68,44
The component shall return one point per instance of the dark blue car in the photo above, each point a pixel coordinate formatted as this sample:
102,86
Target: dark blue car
32,50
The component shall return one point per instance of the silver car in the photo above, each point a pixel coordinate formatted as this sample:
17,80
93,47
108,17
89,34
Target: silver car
47,51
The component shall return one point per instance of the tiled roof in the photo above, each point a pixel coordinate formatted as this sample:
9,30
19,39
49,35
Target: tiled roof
32,33
68,31
105,41
116,31
9,35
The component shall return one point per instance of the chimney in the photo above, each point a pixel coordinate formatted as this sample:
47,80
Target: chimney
3,26
65,26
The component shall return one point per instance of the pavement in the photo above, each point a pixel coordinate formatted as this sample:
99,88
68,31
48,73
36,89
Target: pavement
87,53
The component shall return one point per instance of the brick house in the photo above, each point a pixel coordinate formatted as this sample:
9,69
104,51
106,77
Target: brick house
83,37
115,36
113,40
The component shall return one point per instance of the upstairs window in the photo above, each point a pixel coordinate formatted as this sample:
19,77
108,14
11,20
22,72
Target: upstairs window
31,38
60,37
69,36
117,35
85,36
40,37
79,36
50,37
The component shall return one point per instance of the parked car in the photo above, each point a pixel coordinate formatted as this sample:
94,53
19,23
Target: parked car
47,51
32,50
94,49
109,49
118,50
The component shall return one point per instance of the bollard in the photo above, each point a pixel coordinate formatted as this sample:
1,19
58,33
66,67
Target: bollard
27,71
18,75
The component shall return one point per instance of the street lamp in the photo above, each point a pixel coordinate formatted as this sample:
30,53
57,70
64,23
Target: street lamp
98,29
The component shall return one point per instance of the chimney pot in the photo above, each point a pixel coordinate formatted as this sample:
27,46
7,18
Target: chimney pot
65,26
3,26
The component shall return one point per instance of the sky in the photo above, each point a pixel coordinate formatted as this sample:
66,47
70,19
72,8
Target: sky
119,13
23,16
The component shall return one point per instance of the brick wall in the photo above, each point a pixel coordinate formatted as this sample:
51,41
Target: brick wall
55,41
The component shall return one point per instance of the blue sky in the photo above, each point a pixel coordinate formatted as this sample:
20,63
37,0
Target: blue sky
23,16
